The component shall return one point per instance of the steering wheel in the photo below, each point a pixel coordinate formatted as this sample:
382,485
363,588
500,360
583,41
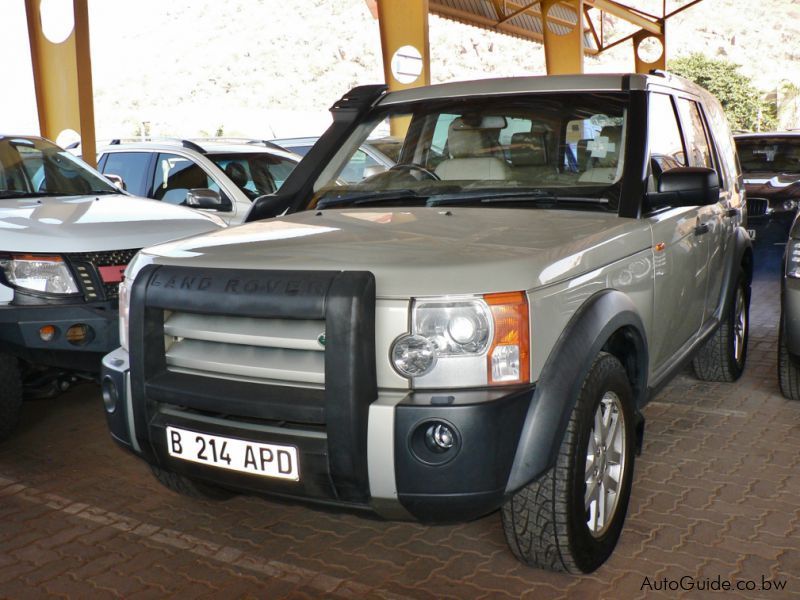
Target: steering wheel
411,167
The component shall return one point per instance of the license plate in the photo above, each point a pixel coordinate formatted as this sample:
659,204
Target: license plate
267,460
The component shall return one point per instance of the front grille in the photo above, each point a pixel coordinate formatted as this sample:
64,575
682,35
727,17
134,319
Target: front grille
257,350
275,346
86,265
757,207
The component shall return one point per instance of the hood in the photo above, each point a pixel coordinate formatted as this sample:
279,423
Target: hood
94,223
422,251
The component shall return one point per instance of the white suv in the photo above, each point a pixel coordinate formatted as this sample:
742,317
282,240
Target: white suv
67,235
223,176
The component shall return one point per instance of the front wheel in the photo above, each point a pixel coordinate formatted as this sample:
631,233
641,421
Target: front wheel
723,356
571,517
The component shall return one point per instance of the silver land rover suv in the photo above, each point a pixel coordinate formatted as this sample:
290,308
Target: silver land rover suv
477,328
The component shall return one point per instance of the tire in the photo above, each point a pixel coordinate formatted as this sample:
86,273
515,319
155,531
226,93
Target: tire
723,356
10,394
788,370
551,523
189,487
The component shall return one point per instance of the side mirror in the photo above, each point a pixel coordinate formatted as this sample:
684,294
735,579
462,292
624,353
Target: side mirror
118,182
203,198
266,207
688,186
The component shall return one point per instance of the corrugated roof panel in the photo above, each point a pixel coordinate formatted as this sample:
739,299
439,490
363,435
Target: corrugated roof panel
558,11
527,21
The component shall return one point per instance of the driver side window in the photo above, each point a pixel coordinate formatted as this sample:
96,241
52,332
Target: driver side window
664,139
175,175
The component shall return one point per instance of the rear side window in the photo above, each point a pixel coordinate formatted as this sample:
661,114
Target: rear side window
698,150
132,167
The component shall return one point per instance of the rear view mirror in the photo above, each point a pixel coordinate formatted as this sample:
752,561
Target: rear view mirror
203,198
118,182
688,186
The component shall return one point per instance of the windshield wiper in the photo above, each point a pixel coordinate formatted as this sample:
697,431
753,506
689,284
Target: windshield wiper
101,192
370,197
493,196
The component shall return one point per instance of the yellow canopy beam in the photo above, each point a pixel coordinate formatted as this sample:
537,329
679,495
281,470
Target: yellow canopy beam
62,72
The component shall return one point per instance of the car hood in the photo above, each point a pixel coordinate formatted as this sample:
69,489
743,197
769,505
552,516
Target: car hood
421,251
94,223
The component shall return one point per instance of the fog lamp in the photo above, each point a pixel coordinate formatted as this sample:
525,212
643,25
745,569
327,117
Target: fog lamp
110,394
78,334
439,437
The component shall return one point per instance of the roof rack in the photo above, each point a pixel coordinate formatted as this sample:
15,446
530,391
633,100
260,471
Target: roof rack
243,140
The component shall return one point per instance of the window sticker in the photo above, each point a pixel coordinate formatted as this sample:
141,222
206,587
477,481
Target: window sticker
600,147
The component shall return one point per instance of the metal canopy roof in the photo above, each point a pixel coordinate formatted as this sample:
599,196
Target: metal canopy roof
523,18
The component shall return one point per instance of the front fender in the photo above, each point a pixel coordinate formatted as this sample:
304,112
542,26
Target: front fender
587,332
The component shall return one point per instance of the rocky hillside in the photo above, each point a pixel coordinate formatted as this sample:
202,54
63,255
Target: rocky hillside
272,67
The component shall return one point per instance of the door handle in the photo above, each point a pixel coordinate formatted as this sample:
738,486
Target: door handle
701,229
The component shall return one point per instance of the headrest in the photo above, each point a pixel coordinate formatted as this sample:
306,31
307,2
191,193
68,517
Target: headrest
528,150
236,173
464,141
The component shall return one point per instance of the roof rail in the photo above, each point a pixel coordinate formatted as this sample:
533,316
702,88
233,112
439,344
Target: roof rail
189,144
242,140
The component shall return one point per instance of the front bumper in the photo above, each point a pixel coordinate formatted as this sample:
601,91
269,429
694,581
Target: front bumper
772,225
406,478
20,325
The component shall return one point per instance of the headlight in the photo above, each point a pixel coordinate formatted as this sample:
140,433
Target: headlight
124,311
47,274
466,342
789,205
793,259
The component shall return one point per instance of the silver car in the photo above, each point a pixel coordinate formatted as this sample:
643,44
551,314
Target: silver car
476,328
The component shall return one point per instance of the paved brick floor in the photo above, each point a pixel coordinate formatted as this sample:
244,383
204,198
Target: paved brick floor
715,496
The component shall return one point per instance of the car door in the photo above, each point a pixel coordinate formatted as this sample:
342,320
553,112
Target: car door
175,175
712,218
680,255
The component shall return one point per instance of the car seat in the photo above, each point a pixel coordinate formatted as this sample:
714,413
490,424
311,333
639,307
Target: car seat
468,148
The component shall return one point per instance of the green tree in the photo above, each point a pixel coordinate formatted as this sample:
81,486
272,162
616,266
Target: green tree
741,100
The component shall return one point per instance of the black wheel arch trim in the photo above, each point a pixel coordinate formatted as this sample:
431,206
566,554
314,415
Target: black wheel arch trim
586,334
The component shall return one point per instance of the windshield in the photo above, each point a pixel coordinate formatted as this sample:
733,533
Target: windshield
537,149
255,174
34,167
769,154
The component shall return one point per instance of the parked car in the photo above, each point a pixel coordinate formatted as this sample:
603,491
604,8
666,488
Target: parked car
66,238
223,176
475,330
771,165
789,332
375,155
